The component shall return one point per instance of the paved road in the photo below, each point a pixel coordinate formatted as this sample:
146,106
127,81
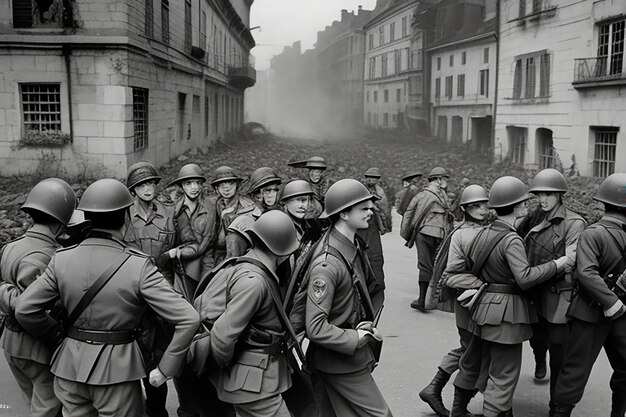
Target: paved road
414,345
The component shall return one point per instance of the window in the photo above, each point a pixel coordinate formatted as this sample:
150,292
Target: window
392,31
460,85
484,83
149,19
438,63
437,88
604,151
140,118
33,14
517,143
463,58
381,35
203,29
367,97
537,6
375,96
165,21
383,70
372,71
385,119
187,26
398,95
449,87
371,41
522,8
41,107
527,69
611,48
397,62
486,56
206,116
451,60
545,148
404,26
386,96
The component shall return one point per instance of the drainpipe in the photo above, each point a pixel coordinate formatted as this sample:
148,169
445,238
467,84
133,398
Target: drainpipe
67,50
495,98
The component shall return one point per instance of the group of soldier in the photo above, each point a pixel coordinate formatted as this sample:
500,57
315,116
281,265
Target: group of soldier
103,295
511,276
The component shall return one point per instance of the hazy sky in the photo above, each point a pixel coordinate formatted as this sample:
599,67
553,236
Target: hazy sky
286,21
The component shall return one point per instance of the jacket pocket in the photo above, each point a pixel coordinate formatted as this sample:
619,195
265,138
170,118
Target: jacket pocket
246,373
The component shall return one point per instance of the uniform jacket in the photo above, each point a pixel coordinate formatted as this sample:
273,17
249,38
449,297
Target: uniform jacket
435,222
317,202
597,255
506,318
555,236
21,261
332,303
120,305
153,236
405,197
246,374
227,211
382,210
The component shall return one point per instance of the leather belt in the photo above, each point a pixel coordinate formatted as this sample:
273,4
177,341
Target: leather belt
504,289
102,337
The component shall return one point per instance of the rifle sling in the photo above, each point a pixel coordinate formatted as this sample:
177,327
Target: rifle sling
486,251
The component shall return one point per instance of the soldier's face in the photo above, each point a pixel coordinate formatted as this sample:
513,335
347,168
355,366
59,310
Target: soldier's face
315,175
478,210
548,201
298,206
227,189
371,181
269,194
192,188
146,191
359,215
443,183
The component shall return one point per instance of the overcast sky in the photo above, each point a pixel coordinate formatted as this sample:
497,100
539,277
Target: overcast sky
286,21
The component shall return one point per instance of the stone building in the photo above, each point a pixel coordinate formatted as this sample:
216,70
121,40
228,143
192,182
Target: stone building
92,86
562,84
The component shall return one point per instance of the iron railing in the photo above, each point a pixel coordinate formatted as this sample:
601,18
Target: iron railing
598,69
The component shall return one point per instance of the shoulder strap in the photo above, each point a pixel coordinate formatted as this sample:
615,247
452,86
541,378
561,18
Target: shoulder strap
486,251
271,280
206,278
96,287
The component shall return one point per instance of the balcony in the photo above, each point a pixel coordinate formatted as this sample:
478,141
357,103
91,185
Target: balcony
598,72
241,73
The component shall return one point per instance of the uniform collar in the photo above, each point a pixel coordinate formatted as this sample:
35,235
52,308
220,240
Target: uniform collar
558,213
155,212
39,231
502,225
612,221
343,245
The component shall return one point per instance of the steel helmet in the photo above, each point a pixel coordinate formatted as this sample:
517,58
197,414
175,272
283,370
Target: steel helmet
297,163
104,196
277,231
296,188
343,194
189,172
316,162
548,180
261,177
613,190
473,193
507,191
438,172
223,174
409,176
141,172
373,173
53,197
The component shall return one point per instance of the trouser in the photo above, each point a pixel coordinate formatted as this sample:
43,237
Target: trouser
84,400
353,395
197,396
504,365
585,341
37,384
426,251
273,406
451,361
156,397
300,396
539,341
558,338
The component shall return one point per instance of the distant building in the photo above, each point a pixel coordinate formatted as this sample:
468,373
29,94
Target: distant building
116,81
462,57
562,84
388,64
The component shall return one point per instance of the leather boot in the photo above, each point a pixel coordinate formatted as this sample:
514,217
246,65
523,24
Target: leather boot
541,368
462,398
432,393
508,413
562,410
618,406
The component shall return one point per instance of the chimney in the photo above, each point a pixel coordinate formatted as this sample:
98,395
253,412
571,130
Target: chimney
344,13
360,9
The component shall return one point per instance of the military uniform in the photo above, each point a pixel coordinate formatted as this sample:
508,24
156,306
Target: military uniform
379,224
228,243
246,341
333,310
404,198
502,318
103,377
21,261
317,202
597,255
554,236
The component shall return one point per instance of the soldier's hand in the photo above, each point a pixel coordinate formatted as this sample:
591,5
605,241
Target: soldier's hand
364,338
561,263
615,309
173,253
157,378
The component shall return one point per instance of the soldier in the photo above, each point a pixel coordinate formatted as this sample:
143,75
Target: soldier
77,229
149,227
501,315
98,364
343,303
248,338
295,198
195,222
411,185
597,310
425,223
550,232
379,224
50,204
473,204
455,205
265,183
230,206
316,165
